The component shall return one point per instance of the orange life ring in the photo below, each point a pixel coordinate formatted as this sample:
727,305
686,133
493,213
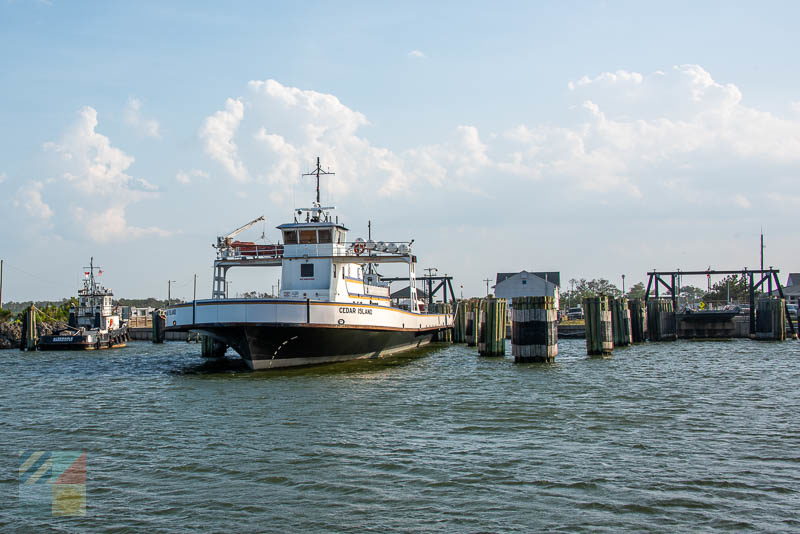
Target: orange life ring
359,247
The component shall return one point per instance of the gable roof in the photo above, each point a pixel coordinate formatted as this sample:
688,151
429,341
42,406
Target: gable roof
553,277
793,280
406,292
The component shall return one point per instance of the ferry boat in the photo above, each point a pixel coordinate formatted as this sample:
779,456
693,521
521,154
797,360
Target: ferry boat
331,305
94,323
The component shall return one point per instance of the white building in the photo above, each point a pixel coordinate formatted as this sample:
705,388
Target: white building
527,284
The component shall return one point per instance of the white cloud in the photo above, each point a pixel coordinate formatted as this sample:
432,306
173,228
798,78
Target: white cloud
93,186
133,117
674,136
3,177
741,201
29,198
417,54
185,177
109,224
217,134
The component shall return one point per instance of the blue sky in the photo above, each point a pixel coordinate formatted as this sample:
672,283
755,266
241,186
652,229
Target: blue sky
592,138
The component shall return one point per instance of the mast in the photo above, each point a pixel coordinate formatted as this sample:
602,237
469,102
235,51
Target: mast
317,172
91,268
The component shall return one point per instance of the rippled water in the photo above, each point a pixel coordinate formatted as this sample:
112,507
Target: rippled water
664,437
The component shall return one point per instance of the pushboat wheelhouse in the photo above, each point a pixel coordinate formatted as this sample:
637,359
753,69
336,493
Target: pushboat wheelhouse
94,323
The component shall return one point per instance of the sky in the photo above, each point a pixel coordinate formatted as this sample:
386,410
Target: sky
592,138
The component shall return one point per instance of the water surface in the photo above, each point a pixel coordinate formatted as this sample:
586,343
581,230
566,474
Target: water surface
660,437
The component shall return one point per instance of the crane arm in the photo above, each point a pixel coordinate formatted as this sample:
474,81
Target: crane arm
224,241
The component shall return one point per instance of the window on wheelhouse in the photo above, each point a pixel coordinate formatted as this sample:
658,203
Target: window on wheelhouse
290,237
324,236
308,237
306,270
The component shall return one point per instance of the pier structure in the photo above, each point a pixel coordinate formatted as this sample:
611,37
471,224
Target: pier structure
444,283
766,278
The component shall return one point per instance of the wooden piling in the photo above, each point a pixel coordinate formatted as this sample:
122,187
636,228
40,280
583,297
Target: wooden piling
771,319
159,326
599,336
492,327
460,322
534,329
29,339
211,348
638,320
620,322
445,335
472,322
661,320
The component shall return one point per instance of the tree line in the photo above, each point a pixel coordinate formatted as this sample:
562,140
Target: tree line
732,288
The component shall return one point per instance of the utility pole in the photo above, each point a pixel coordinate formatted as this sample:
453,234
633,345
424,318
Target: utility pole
487,280
623,285
169,291
194,291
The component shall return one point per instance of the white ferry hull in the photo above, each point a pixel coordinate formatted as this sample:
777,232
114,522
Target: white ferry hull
270,334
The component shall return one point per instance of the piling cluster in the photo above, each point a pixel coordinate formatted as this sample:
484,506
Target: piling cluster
662,324
492,320
638,314
620,322
534,329
599,333
446,335
770,319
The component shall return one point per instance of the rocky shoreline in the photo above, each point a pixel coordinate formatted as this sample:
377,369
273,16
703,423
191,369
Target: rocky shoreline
11,332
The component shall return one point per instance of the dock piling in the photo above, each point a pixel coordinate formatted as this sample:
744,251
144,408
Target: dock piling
211,348
638,315
599,336
460,326
472,322
159,326
620,322
534,329
492,327
661,320
771,319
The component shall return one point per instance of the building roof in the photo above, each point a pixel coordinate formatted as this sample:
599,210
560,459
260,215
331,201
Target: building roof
404,293
793,279
551,276
789,291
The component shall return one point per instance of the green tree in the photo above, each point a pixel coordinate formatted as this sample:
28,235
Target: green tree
636,291
734,286
692,293
588,288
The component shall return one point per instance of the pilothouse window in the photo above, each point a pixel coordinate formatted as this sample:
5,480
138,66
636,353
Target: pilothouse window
308,237
290,237
324,236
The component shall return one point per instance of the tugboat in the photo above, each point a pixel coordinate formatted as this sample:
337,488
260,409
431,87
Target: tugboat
331,306
94,323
